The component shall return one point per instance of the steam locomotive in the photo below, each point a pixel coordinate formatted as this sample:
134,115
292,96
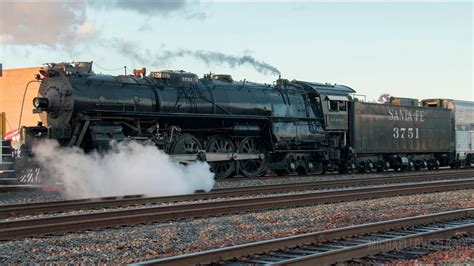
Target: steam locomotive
242,127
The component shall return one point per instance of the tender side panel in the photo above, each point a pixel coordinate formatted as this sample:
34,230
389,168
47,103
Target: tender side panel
386,128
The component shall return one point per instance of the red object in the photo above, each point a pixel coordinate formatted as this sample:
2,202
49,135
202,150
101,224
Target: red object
13,135
44,73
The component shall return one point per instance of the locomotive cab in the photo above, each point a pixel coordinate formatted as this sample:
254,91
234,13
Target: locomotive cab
335,112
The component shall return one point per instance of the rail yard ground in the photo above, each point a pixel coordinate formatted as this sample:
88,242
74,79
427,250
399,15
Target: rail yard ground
135,243
20,196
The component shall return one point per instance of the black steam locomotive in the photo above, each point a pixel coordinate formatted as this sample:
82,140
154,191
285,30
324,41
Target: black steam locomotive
239,127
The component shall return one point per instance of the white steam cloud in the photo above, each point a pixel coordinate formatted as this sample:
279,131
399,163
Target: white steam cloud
128,168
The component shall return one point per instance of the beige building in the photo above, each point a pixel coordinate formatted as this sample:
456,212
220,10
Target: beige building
13,83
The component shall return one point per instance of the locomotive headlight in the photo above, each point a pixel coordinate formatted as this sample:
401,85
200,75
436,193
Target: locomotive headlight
40,102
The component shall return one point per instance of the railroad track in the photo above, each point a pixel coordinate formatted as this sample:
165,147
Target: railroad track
337,245
67,223
385,173
24,187
9,186
55,206
134,200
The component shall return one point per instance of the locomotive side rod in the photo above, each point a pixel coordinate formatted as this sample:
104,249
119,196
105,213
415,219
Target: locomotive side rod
216,157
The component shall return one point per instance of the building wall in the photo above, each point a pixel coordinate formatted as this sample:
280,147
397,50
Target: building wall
12,87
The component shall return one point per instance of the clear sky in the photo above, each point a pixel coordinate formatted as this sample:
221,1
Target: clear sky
419,50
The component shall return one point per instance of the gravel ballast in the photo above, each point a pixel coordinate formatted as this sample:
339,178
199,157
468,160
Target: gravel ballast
171,203
21,197
142,242
226,183
454,256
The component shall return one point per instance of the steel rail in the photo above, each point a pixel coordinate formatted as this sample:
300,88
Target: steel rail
67,223
24,187
385,173
131,200
336,245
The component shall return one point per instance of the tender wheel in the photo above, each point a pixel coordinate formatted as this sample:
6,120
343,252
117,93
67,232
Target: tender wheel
368,166
379,166
351,168
256,167
221,144
186,144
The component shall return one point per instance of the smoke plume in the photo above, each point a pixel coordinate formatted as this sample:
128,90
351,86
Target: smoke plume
128,168
146,57
210,57
46,23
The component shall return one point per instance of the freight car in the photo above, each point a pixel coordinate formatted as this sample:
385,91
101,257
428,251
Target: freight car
239,127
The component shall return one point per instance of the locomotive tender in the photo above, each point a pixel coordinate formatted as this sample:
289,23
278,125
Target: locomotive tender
240,127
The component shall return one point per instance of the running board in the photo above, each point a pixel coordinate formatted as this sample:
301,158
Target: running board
216,157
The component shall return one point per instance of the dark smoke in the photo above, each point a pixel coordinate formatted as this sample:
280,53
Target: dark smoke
163,57
129,49
211,57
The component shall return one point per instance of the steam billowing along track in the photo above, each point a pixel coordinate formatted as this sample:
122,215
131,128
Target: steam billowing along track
337,245
68,223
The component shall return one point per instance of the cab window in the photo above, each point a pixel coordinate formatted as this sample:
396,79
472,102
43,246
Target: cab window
342,105
333,106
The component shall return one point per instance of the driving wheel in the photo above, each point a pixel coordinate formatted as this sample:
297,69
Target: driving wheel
253,167
221,144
